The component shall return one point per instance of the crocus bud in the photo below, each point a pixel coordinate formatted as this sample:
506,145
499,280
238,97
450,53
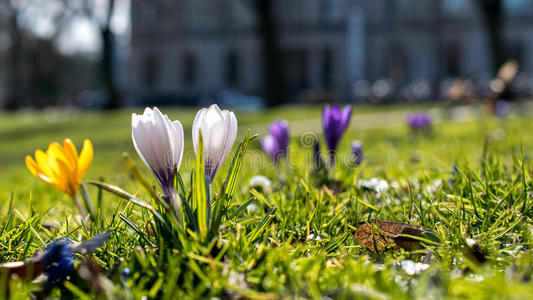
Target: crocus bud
418,120
357,151
502,108
334,122
159,143
219,130
276,144
270,146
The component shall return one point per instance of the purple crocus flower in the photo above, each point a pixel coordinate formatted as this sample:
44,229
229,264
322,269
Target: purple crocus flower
334,122
502,108
270,146
418,120
357,151
276,144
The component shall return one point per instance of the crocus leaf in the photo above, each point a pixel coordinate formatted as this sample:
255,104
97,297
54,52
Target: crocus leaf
88,201
200,191
235,168
144,182
123,194
230,184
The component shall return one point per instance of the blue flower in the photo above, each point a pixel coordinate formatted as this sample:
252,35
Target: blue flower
59,262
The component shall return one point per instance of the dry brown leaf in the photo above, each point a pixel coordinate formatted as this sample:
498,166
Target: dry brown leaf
378,235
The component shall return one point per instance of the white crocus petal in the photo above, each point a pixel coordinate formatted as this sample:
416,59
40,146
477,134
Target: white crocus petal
141,134
151,140
163,140
178,142
219,130
159,143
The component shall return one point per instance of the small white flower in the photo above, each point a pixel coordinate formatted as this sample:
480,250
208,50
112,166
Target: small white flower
375,184
471,242
411,268
314,237
252,208
260,181
219,130
434,186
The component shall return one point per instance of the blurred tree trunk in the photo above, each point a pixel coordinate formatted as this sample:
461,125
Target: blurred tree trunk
492,12
13,98
108,60
274,84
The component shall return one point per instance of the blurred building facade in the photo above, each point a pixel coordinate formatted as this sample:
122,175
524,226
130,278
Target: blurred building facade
441,38
184,48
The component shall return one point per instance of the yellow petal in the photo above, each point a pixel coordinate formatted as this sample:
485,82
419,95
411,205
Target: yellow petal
36,170
43,162
53,182
32,166
70,149
61,153
59,165
67,181
86,157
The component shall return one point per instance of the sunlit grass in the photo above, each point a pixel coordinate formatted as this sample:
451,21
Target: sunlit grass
486,202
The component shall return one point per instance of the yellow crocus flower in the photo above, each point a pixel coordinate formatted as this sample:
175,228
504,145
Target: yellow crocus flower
60,166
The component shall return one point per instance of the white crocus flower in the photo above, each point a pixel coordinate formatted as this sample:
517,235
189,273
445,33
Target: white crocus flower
159,143
219,130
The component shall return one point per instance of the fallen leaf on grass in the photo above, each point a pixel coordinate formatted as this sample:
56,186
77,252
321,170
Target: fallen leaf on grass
378,235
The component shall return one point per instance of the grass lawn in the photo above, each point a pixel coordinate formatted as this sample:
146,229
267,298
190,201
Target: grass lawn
468,184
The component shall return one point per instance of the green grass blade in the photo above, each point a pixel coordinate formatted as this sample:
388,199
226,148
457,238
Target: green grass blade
200,191
235,168
136,228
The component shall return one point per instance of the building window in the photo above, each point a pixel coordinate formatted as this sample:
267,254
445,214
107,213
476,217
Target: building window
517,7
454,8
514,51
292,11
403,8
232,68
151,70
295,70
331,12
189,69
148,10
398,63
452,60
